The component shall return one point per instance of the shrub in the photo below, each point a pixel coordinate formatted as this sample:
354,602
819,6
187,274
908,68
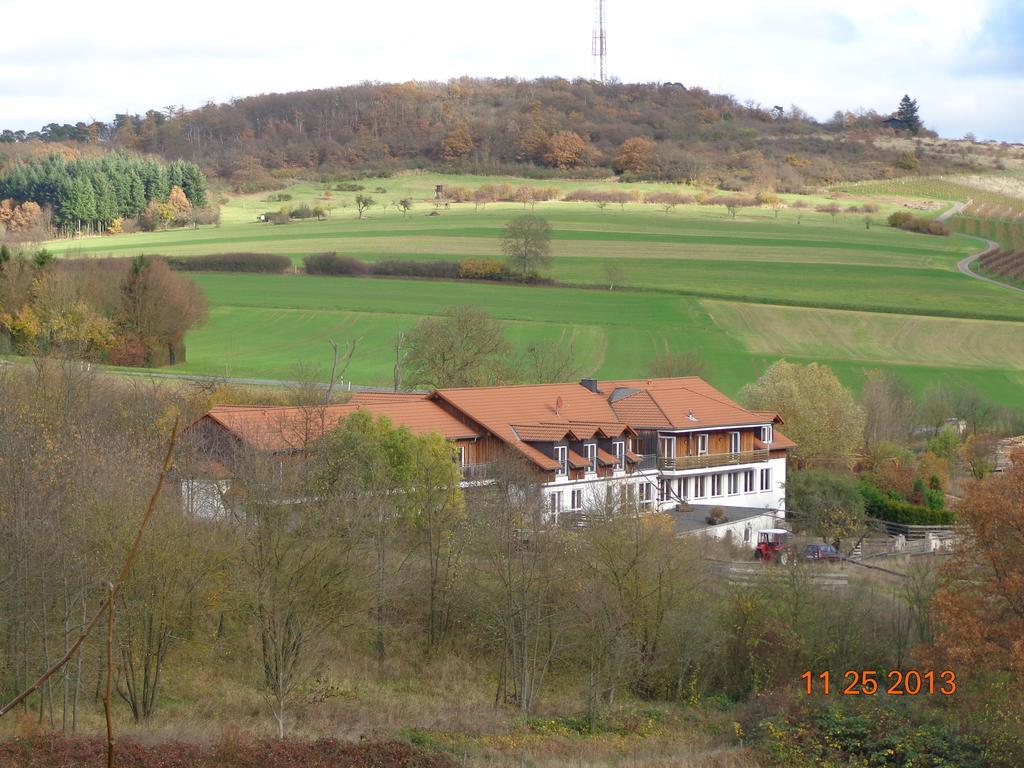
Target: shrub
231,262
888,506
899,218
280,217
483,269
302,211
349,186
717,516
280,197
333,264
911,223
207,215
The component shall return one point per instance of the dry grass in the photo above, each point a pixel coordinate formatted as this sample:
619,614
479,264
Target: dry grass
871,336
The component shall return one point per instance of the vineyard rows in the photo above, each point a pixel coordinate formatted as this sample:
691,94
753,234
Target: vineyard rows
1008,262
936,188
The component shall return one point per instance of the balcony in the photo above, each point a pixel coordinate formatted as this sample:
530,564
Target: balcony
476,472
680,463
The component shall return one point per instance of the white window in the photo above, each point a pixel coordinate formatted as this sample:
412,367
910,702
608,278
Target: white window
664,492
630,494
591,457
462,455
667,451
576,501
702,444
734,483
646,493
766,479
749,481
734,442
555,504
620,454
682,487
716,485
699,487
766,434
562,457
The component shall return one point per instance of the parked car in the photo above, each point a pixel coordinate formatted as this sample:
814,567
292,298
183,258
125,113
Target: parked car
822,552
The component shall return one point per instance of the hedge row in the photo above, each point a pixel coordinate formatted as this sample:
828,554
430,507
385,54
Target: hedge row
470,269
884,506
912,223
230,262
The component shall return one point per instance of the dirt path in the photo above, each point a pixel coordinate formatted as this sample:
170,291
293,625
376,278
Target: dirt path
964,265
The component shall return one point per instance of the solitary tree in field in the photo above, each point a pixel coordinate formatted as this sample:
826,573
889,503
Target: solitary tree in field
907,114
363,203
464,348
404,205
526,243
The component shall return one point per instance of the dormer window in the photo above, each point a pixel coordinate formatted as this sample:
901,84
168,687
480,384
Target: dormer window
591,457
620,454
766,434
562,457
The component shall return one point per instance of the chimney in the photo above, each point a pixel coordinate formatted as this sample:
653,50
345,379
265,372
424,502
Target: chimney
590,384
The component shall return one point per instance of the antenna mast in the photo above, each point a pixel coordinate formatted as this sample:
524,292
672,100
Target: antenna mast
599,48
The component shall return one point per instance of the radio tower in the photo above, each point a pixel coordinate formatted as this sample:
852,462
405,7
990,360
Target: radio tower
599,49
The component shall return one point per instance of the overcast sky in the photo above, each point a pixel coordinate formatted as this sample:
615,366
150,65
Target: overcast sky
64,61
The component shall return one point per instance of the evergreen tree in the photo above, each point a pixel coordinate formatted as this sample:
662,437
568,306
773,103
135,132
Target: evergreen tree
907,114
80,207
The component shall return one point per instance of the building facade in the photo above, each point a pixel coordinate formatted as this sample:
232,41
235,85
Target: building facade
663,444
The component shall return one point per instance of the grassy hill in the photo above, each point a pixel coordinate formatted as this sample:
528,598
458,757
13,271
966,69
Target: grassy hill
742,292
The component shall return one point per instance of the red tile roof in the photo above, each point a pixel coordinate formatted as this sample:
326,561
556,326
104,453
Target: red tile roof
517,415
282,429
676,399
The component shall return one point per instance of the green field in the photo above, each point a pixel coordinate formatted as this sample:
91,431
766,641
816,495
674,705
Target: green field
743,292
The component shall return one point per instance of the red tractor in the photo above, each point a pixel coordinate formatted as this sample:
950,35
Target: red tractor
772,546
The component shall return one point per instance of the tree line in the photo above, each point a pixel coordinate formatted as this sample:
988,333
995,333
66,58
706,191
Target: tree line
98,194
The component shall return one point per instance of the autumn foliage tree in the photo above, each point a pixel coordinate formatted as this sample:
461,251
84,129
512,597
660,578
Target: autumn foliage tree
565,150
820,413
158,307
636,156
980,605
457,145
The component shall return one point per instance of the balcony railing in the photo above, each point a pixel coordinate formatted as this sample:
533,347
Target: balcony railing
678,463
476,472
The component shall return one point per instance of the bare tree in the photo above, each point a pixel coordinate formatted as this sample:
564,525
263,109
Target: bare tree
363,204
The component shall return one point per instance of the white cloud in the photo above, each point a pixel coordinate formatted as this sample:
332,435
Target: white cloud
93,61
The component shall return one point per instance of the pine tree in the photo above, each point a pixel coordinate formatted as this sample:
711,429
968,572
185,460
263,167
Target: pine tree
907,114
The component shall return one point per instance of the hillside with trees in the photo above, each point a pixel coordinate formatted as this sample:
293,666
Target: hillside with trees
544,127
